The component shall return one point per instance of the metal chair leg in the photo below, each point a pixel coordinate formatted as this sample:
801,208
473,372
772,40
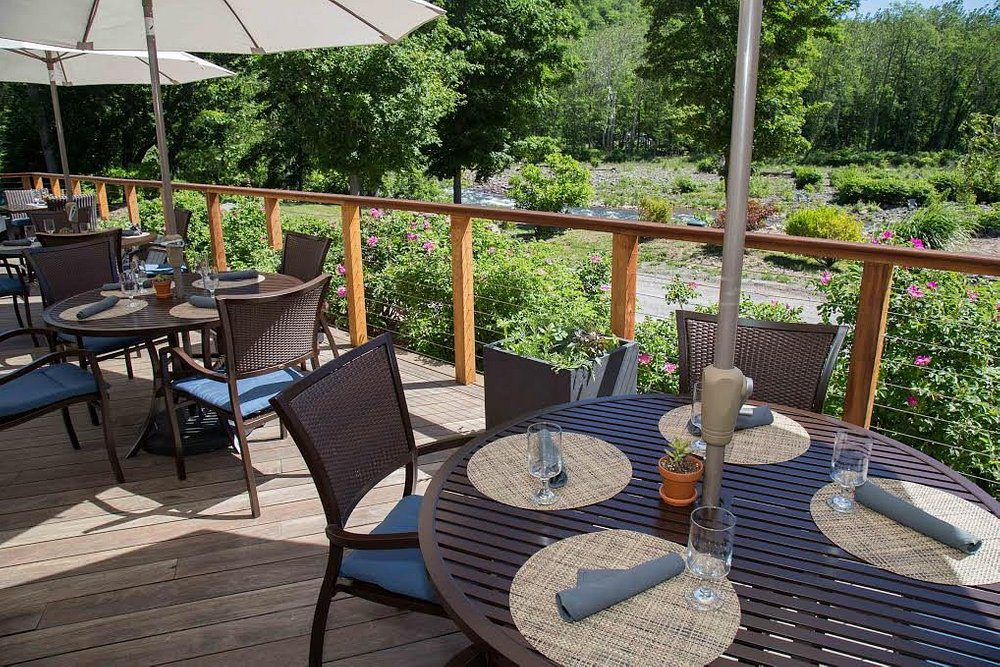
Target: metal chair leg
326,593
109,439
68,422
248,471
128,363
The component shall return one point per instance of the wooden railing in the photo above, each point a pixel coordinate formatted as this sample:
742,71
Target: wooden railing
876,282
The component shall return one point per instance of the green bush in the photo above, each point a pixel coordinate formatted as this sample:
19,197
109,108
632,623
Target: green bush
683,184
535,149
825,222
560,182
885,189
807,176
757,215
939,225
707,165
656,209
980,165
988,222
949,183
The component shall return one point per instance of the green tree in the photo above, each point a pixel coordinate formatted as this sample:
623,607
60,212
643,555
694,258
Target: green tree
514,52
691,50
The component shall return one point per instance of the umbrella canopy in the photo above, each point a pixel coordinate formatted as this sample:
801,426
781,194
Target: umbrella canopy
216,26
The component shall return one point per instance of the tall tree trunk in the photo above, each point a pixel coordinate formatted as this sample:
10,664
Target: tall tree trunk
456,186
40,110
354,184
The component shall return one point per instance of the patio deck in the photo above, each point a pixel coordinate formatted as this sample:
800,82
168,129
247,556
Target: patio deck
157,571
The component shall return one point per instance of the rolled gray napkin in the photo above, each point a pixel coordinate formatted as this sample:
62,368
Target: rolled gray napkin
762,416
17,243
238,275
110,286
199,301
875,498
132,231
99,307
596,590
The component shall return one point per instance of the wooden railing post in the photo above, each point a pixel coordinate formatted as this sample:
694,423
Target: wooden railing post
55,187
214,202
354,278
866,350
132,203
102,200
624,262
26,182
272,216
39,183
462,299
75,186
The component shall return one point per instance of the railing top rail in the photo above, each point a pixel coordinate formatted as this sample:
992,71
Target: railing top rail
797,245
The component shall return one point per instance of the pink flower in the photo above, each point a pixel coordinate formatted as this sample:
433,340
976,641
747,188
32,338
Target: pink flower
825,278
427,225
491,250
922,360
342,291
692,284
669,368
341,270
372,241
886,235
932,284
413,224
912,401
595,259
645,358
605,287
917,243
376,213
429,246
972,296
915,292
410,236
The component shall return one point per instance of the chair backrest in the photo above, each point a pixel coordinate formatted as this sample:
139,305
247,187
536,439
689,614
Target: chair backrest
182,218
113,237
267,332
87,201
790,363
59,219
67,270
21,199
350,422
304,255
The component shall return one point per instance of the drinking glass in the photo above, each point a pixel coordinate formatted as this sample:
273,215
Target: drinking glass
129,287
139,273
848,468
544,458
698,447
30,232
710,554
49,225
210,279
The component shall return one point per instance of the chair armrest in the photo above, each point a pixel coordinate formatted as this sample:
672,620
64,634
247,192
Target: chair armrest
451,442
49,334
180,355
55,357
343,538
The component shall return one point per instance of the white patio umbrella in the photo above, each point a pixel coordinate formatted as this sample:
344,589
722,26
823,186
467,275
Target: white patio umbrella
216,26
27,62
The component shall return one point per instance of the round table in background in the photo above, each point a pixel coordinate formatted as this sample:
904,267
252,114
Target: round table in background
803,599
152,323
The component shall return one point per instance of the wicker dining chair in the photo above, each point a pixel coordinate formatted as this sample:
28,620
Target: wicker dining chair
59,219
112,236
790,363
303,257
350,422
264,338
63,271
20,199
15,285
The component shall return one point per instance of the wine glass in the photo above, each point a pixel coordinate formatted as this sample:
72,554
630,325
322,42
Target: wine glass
140,276
210,279
49,224
129,286
848,468
30,232
544,458
698,447
710,554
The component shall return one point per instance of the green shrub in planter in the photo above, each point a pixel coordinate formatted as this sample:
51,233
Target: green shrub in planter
939,225
656,209
560,182
805,176
825,222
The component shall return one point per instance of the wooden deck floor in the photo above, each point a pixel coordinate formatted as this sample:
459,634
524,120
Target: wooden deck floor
158,571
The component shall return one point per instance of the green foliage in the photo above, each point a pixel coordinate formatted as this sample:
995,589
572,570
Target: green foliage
657,340
676,451
560,182
707,165
825,222
563,348
535,149
988,222
656,209
939,225
940,377
757,214
881,187
980,166
807,176
683,184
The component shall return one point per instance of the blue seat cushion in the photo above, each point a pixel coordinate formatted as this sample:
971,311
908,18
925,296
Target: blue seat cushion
162,269
103,344
44,386
10,286
400,571
254,392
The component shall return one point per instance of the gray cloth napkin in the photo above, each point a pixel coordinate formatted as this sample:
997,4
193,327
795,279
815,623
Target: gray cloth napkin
132,232
559,481
99,307
199,301
597,590
110,286
874,498
238,275
762,416
17,242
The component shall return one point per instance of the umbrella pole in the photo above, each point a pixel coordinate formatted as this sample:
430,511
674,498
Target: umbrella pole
57,112
167,192
724,386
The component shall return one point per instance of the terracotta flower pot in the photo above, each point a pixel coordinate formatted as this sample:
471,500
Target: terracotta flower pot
678,488
162,288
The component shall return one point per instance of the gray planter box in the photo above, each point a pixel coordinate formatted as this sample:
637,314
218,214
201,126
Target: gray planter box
517,385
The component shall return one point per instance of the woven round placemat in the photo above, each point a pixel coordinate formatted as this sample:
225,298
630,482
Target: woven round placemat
118,310
656,627
783,440
595,470
231,284
188,312
879,540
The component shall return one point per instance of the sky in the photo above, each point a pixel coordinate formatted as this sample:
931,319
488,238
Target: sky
868,6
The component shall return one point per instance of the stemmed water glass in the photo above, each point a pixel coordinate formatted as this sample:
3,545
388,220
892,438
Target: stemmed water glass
49,225
30,232
698,447
129,286
140,276
544,458
710,554
210,278
848,468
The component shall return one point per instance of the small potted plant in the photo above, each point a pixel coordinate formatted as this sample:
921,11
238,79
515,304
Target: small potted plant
680,470
161,285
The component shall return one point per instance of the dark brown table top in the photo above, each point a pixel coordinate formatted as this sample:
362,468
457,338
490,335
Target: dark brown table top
155,320
803,599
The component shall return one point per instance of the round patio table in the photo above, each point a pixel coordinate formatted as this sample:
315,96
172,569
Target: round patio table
803,599
155,322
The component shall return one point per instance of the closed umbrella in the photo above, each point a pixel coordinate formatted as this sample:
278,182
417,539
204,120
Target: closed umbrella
27,62
217,26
